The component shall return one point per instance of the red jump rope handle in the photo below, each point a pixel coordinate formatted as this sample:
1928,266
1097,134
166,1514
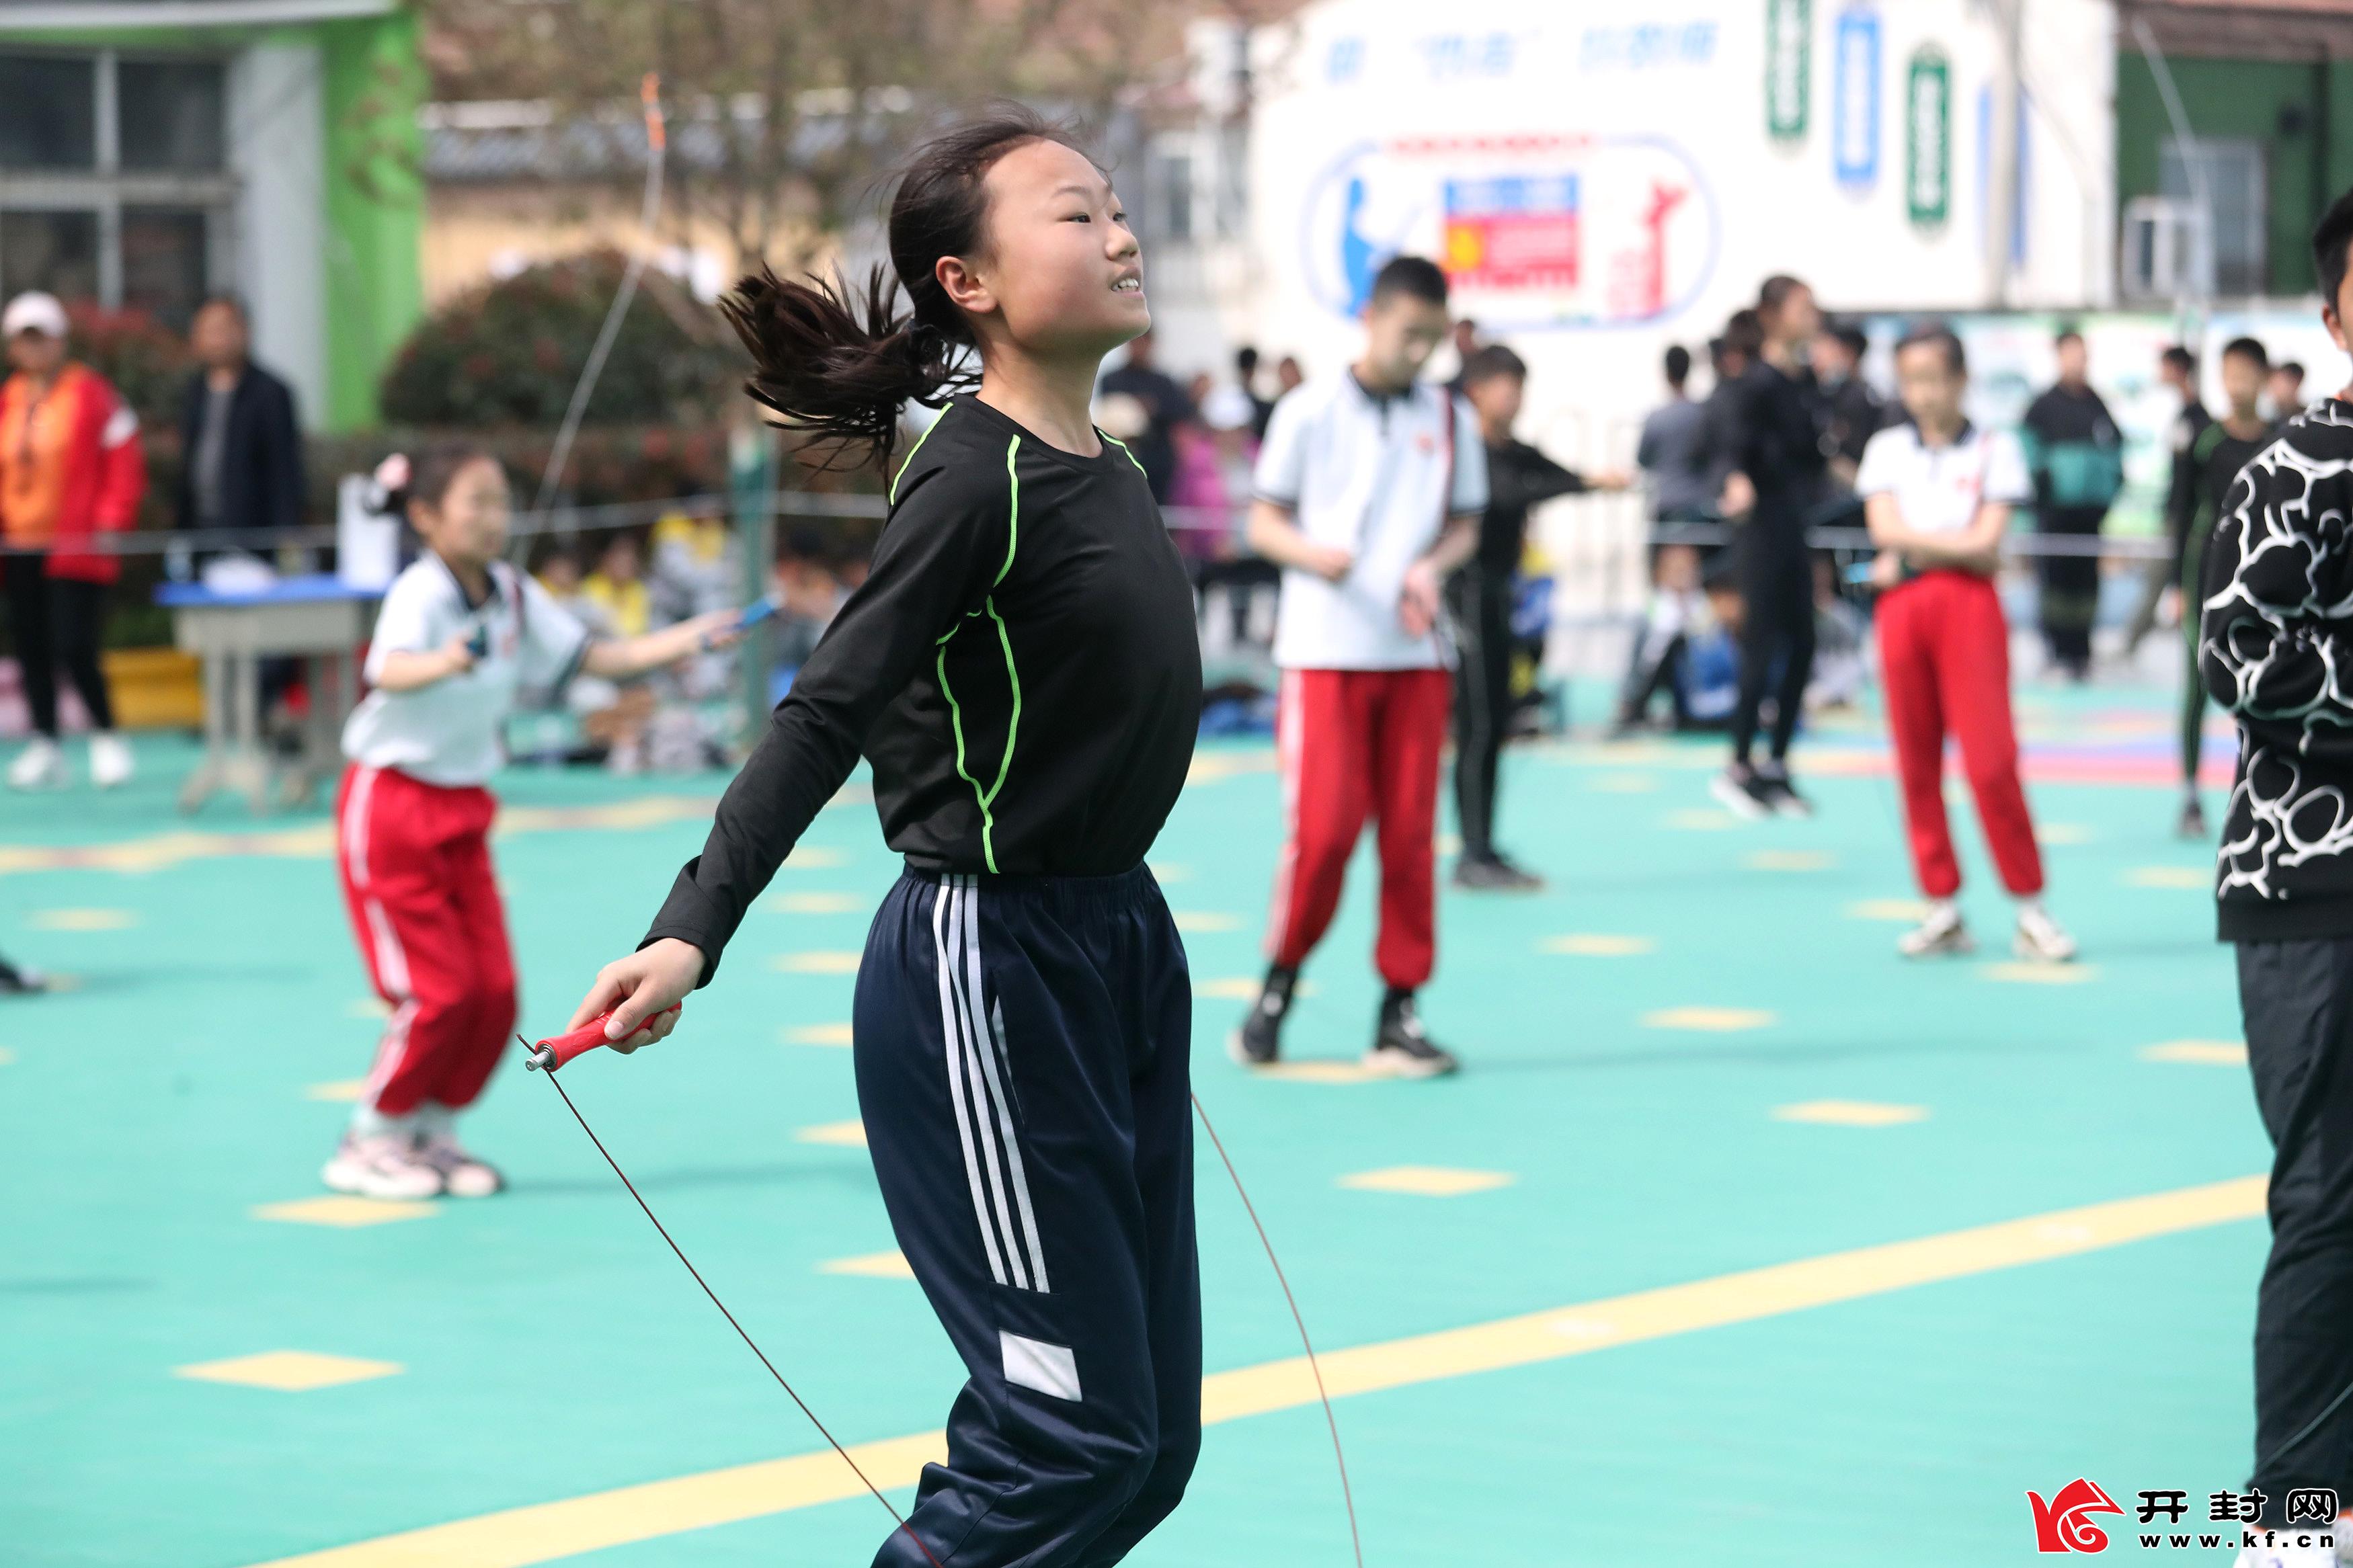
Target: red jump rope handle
546,1055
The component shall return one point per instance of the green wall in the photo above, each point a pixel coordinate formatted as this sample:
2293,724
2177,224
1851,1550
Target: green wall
375,206
2250,100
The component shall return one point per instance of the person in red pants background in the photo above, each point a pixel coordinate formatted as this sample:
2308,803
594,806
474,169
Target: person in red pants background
1367,494
460,633
1938,493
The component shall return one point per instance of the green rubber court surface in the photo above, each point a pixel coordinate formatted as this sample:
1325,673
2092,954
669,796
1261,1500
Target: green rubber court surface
1738,1239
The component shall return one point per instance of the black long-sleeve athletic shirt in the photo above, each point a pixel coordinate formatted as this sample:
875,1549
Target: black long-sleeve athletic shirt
1021,667
1768,424
1519,478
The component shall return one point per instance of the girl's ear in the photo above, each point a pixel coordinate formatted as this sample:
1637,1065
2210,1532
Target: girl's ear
966,290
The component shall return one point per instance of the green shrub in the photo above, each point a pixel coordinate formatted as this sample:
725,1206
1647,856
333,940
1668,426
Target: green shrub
510,352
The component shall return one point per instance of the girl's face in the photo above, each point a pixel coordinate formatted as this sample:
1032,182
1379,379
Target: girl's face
468,527
1062,275
1931,389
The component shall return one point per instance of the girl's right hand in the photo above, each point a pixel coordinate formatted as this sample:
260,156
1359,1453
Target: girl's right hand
639,992
460,653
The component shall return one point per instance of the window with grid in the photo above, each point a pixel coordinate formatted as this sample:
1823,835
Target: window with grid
114,180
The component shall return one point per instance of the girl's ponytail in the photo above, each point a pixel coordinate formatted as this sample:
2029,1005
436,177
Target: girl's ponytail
837,363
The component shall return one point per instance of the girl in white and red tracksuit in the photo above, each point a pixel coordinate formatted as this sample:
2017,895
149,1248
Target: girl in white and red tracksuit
460,633
1937,494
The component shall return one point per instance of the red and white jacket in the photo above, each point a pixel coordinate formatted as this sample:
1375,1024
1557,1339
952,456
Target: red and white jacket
70,468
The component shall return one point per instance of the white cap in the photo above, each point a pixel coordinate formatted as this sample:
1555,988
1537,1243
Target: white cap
33,311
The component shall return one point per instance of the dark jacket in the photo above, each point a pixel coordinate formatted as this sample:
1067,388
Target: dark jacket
261,467
2274,645
2074,449
1518,477
2181,487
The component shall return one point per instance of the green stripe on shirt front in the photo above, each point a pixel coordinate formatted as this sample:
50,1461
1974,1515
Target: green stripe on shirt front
988,798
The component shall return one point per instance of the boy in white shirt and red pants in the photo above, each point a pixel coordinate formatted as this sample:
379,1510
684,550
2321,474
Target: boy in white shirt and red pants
460,633
1369,491
1938,493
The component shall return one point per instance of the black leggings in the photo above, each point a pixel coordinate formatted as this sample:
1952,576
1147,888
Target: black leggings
1480,601
56,622
1777,607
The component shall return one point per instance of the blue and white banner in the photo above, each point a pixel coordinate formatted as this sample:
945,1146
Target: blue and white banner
1855,99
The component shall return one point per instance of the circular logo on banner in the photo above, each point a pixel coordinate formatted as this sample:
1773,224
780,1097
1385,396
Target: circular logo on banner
1536,232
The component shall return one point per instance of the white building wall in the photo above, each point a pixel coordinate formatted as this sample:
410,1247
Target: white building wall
1659,197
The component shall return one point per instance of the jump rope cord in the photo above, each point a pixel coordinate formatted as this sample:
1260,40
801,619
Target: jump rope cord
896,1516
1348,1496
656,156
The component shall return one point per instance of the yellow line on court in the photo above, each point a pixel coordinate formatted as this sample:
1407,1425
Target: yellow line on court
543,1533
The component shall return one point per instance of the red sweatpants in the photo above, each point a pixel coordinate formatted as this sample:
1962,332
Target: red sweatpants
415,865
1354,742
1943,652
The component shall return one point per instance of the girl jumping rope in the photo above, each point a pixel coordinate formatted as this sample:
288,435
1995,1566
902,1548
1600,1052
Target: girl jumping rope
460,631
1022,670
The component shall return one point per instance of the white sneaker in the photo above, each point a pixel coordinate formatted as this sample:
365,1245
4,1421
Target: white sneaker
110,761
40,765
1741,791
2041,939
382,1165
462,1175
1941,933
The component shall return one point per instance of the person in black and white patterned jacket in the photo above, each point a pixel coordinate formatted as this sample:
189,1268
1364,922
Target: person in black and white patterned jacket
2275,649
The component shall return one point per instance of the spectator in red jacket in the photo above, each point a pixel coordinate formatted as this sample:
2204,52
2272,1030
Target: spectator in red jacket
70,468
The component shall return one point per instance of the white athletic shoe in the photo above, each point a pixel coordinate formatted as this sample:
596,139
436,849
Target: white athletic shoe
2041,939
462,1174
1940,934
382,1165
110,761
40,765
1741,791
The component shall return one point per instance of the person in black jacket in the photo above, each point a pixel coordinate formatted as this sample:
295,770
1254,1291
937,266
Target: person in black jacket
2177,368
1479,600
2076,454
2275,648
1769,430
1852,411
240,435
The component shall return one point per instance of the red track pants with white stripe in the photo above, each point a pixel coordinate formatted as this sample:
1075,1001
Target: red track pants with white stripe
1353,743
1944,653
414,859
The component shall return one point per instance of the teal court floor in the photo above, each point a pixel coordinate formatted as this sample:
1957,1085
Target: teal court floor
1739,1239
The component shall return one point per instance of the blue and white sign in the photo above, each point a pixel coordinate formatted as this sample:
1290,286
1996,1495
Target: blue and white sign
1854,103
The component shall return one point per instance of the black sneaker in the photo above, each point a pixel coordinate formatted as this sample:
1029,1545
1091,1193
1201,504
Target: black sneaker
1260,1040
1740,789
1401,1049
2192,821
1782,797
1493,873
15,982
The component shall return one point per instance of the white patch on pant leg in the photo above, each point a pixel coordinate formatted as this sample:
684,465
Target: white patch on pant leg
1032,1364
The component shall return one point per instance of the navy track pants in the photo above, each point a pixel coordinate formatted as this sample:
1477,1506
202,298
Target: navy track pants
1022,1069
